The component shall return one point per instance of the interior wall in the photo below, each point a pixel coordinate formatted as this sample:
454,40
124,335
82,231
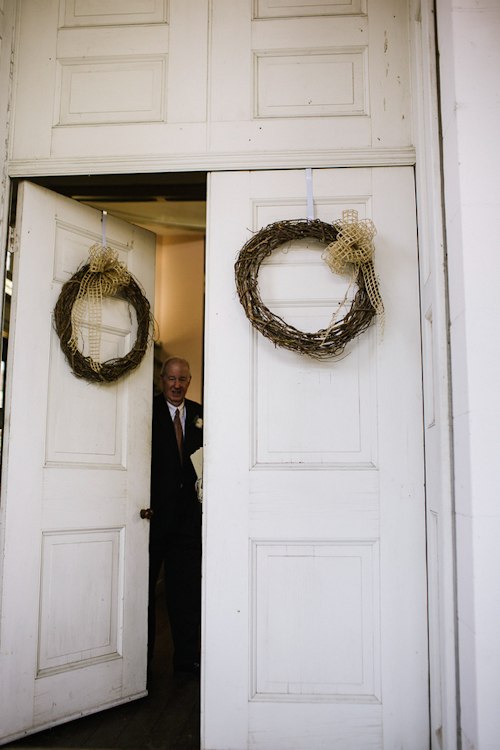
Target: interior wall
179,301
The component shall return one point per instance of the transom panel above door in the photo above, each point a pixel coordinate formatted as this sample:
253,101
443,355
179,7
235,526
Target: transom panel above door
134,82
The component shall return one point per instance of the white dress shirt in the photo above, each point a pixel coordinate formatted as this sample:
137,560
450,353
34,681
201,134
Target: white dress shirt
182,414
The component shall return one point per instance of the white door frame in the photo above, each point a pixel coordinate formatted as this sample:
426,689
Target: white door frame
435,361
441,553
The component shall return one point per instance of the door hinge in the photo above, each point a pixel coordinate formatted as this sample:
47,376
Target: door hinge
11,240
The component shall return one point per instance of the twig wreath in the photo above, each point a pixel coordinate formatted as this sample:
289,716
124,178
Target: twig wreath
349,250
102,276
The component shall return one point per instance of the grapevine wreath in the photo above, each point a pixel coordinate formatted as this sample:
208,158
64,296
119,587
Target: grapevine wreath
102,276
349,250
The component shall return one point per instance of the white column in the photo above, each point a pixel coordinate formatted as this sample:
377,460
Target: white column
469,47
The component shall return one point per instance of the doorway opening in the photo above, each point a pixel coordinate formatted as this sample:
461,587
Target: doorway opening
173,207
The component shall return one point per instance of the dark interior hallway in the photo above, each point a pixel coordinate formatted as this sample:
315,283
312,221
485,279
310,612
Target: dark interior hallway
167,719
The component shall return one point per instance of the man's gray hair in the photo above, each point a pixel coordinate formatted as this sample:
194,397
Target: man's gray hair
168,361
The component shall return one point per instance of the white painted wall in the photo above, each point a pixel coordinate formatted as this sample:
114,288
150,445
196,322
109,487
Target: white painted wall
469,46
7,19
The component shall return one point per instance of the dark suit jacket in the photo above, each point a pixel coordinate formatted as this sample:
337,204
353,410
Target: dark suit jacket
175,505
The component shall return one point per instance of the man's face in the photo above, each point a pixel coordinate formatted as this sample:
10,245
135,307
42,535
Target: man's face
175,382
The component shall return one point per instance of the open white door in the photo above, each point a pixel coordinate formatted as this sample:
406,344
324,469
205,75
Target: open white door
75,476
315,613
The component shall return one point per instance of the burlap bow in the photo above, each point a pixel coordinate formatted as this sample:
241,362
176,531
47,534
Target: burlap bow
352,250
106,275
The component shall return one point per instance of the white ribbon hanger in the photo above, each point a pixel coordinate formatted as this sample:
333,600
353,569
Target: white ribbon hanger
310,205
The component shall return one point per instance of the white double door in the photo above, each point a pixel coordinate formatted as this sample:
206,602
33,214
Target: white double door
314,629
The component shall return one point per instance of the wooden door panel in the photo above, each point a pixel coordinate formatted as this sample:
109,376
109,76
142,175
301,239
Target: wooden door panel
84,625
70,403
285,8
92,13
306,644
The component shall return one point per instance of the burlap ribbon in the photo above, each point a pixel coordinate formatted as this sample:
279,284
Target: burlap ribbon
106,275
353,250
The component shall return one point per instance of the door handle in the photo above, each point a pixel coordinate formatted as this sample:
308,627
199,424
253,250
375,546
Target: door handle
146,513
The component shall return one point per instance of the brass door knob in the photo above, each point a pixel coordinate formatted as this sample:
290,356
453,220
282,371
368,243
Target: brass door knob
146,513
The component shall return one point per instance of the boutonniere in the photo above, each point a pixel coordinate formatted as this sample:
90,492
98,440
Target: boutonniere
198,422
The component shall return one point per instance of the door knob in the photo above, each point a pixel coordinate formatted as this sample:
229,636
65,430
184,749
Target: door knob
146,513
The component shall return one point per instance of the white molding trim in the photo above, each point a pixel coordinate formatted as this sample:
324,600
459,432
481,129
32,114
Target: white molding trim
206,162
436,382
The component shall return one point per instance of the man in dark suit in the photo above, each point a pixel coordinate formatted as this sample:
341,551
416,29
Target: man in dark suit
176,522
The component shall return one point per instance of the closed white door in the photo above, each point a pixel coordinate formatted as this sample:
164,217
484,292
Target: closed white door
315,615
75,476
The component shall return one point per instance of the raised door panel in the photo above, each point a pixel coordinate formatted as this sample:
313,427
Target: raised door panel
287,8
316,609
102,12
328,83
88,428
110,91
79,598
334,420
